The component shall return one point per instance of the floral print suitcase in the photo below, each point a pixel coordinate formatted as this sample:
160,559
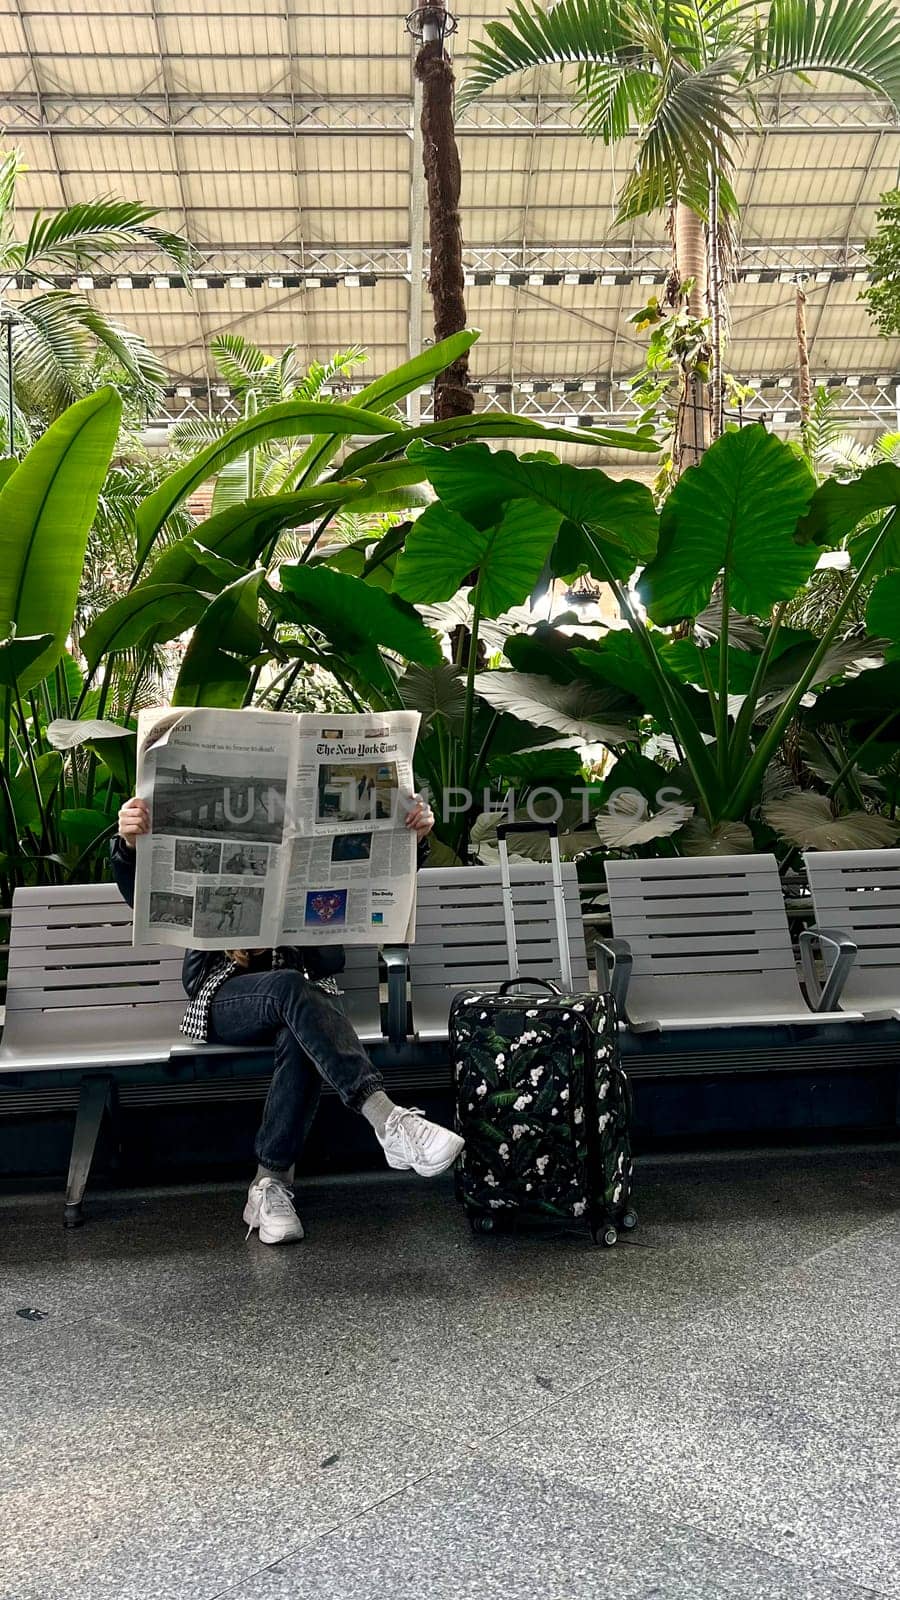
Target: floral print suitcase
544,1107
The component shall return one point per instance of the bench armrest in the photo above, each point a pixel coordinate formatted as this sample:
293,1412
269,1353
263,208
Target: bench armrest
614,964
396,959
842,948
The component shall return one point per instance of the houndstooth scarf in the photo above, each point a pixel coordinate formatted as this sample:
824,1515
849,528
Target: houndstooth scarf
195,1022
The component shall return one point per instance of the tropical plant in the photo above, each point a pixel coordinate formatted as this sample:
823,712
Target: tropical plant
56,332
685,77
255,625
883,253
737,538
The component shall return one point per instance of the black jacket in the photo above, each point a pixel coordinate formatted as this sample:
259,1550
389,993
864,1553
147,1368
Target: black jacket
319,961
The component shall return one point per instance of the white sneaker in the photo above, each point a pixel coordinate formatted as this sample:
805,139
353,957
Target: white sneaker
270,1208
410,1141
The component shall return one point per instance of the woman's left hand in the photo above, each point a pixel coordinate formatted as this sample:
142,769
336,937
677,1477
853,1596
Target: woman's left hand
420,817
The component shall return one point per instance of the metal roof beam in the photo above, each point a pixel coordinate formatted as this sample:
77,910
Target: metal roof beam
281,113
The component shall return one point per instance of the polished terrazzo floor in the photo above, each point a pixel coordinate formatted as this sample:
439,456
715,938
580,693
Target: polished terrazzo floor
711,1411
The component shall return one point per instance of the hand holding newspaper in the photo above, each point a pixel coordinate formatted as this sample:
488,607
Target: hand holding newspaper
269,828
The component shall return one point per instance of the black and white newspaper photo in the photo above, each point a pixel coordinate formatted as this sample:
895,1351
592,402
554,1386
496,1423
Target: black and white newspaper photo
271,828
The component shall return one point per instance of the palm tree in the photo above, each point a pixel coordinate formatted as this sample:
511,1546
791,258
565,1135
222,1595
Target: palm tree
684,77
57,332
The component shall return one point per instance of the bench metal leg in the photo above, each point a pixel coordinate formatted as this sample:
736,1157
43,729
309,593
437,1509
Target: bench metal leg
96,1095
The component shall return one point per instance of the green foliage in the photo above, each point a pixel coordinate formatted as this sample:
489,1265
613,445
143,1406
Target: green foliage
883,253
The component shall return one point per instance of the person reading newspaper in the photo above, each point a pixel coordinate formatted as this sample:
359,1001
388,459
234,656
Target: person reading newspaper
288,998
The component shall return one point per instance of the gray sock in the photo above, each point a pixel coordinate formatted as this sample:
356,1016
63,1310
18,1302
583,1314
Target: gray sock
377,1109
283,1175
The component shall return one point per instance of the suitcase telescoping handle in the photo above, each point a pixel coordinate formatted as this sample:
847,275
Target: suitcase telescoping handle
559,897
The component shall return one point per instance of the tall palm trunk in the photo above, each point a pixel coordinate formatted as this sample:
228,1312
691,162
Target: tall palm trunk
694,425
452,395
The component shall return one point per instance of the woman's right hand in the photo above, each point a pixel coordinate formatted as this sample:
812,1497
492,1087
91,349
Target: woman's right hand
134,819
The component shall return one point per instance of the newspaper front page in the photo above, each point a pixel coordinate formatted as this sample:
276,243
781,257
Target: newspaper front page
269,828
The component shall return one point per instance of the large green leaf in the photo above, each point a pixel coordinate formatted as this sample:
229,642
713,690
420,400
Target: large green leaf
28,799
46,509
619,660
353,614
737,513
862,702
883,609
495,425
16,655
241,533
211,675
153,612
443,547
436,691
388,391
472,480
574,708
837,508
283,421
807,820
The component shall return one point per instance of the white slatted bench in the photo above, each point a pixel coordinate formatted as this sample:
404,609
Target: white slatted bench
84,1003
81,999
461,936
856,903
703,943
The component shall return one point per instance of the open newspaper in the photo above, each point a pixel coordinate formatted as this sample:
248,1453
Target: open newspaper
269,828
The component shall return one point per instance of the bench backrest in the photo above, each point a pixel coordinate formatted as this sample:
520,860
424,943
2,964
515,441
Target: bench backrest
461,934
858,891
709,935
75,977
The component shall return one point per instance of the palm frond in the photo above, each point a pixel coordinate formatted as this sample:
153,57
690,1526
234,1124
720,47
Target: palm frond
574,32
84,233
611,95
128,348
888,446
854,38
240,363
194,433
692,126
50,347
11,169
321,372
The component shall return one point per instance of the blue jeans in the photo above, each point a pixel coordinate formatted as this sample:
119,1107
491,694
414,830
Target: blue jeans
312,1038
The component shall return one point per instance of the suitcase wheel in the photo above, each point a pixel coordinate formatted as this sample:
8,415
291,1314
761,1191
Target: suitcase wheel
482,1224
629,1221
605,1235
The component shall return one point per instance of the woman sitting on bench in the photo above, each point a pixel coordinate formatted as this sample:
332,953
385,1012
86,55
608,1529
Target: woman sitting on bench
288,998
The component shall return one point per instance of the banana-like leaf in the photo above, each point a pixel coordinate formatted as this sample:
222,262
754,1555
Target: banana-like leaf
496,425
65,734
16,655
386,392
151,613
211,675
241,533
575,708
737,512
285,421
473,480
46,509
807,820
28,801
442,547
353,614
